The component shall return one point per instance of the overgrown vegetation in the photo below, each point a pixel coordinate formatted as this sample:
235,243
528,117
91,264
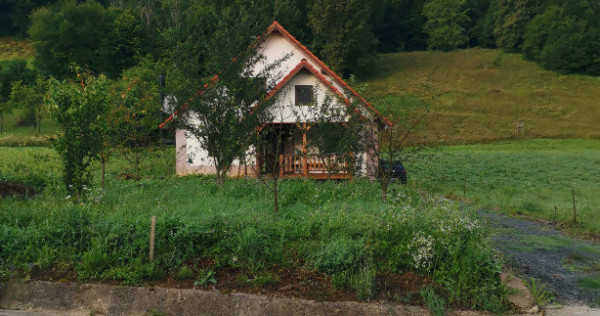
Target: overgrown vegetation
531,178
235,229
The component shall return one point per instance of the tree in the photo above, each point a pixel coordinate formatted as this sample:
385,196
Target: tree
565,37
343,36
11,71
223,115
446,21
401,142
512,17
80,110
87,35
481,29
398,25
133,117
336,134
30,98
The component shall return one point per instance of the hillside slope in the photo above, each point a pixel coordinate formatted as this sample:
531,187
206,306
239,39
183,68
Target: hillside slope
11,48
478,95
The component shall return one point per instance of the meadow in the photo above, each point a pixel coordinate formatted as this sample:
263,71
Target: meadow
478,94
338,234
528,177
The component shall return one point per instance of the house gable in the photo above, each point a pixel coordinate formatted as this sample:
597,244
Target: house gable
280,44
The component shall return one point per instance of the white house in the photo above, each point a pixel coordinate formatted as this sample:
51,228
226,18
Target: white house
303,73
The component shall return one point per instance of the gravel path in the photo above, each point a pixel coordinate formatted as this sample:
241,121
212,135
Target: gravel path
568,267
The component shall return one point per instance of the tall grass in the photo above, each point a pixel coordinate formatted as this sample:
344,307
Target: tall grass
478,95
522,177
341,229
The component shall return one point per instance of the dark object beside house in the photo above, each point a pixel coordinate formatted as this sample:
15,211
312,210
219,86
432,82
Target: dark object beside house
397,170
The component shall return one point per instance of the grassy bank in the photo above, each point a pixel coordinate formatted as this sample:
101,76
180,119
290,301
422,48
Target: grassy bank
522,177
338,232
479,94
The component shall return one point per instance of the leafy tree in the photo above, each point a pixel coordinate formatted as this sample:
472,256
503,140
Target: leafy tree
14,15
446,21
406,140
134,116
30,98
222,116
11,71
87,35
512,17
398,25
566,37
481,28
80,109
342,35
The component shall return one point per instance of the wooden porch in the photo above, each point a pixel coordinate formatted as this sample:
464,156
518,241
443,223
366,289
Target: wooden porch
313,167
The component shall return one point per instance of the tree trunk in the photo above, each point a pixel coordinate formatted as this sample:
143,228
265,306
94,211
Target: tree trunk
137,166
384,189
275,195
103,171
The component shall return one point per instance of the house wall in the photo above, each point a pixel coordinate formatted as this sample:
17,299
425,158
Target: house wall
192,159
277,47
284,110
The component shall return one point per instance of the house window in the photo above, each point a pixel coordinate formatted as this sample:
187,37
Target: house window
304,95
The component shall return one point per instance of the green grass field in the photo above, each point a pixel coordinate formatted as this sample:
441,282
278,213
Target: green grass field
528,177
478,94
341,232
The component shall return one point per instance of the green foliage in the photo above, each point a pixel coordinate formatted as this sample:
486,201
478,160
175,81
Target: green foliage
184,273
30,99
342,35
398,25
512,17
434,302
446,20
541,295
80,109
565,37
205,277
106,238
340,255
365,284
481,30
133,116
12,70
87,35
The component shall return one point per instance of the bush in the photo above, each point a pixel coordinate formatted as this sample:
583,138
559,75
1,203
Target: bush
351,243
340,255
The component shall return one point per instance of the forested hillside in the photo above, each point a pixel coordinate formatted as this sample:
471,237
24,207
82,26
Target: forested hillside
191,40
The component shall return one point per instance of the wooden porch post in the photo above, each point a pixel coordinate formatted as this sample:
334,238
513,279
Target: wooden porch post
305,153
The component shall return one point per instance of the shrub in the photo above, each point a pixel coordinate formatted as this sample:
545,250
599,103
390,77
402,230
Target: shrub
340,255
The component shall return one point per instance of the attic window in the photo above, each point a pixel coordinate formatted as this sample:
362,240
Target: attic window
304,95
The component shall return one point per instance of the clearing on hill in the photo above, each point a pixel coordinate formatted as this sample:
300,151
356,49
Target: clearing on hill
479,94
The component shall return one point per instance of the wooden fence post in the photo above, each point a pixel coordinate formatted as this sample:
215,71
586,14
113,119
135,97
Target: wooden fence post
152,229
574,207
555,211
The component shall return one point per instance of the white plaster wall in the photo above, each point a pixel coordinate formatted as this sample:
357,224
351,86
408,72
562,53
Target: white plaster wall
284,110
277,47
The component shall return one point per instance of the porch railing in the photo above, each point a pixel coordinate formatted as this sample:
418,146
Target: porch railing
306,165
